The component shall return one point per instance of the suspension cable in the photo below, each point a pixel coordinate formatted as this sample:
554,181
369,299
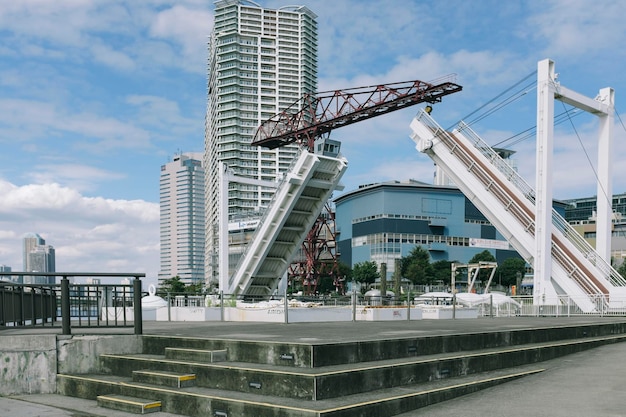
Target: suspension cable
498,106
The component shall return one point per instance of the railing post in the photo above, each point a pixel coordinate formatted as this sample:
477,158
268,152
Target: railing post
408,306
65,306
221,305
22,319
453,303
169,306
138,319
286,308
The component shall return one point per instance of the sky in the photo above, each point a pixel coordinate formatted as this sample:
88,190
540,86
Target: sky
96,95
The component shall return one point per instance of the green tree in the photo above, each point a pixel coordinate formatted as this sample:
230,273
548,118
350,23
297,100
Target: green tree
507,271
484,256
442,271
365,273
172,285
194,288
622,269
416,266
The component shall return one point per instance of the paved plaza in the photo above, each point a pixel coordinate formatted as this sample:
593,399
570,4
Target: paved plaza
589,383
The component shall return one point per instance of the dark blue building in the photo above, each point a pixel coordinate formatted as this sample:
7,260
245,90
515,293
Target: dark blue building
383,222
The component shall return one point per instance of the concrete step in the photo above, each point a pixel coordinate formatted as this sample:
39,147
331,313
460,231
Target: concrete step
129,404
165,378
198,401
312,355
197,355
341,380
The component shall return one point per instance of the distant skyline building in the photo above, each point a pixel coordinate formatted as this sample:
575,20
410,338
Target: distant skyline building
38,257
42,259
5,268
261,61
182,219
30,242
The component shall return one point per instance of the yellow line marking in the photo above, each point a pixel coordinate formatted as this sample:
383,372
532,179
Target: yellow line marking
265,404
182,377
147,404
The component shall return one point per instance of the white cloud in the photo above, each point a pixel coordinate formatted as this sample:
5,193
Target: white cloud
79,177
112,58
80,30
31,119
579,28
188,29
89,234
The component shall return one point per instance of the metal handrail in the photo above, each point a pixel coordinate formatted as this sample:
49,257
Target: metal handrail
558,221
68,299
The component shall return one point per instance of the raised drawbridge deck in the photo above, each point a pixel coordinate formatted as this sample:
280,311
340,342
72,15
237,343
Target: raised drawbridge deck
508,202
296,205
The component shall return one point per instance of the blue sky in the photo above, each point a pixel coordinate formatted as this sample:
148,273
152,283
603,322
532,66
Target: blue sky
97,95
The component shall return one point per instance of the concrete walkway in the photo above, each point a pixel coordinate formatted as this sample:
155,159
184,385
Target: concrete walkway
589,383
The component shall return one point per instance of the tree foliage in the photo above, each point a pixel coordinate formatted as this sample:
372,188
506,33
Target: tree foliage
484,256
622,269
365,272
417,268
509,269
174,285
442,271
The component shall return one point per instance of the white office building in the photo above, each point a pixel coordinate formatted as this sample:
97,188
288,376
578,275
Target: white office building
260,62
182,219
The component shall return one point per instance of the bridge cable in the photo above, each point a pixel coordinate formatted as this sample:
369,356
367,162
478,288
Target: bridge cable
498,106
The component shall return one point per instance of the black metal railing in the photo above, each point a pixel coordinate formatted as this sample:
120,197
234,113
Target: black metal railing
73,305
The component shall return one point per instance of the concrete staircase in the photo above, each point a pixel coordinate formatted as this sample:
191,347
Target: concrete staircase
247,378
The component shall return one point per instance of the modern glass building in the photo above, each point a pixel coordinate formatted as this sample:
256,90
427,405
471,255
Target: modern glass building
585,209
260,62
385,221
182,219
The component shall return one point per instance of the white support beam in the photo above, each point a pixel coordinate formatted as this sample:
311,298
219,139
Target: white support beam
604,214
602,106
226,177
543,291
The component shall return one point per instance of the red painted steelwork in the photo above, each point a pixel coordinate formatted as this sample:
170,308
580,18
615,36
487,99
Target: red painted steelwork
313,116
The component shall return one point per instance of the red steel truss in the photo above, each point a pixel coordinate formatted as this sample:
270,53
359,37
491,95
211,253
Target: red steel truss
315,115
319,256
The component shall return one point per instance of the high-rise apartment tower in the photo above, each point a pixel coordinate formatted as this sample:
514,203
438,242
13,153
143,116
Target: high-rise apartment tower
182,219
260,62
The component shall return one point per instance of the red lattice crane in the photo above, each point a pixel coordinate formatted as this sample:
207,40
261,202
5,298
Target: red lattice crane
314,116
